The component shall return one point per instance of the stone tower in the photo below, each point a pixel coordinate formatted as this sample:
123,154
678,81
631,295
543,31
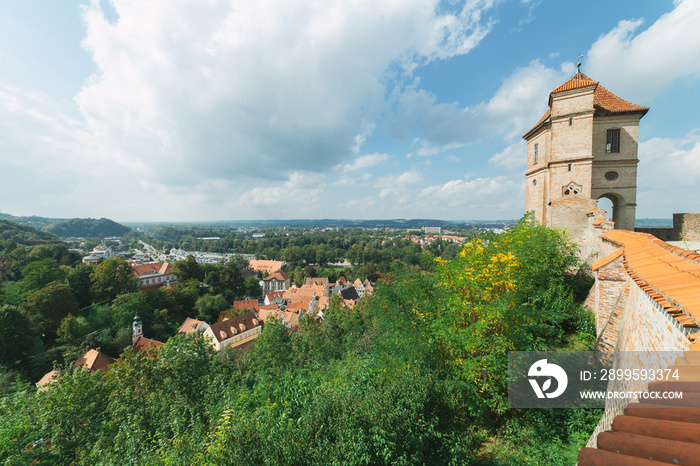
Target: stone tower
584,145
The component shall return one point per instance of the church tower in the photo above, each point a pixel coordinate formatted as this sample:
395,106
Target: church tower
584,145
137,330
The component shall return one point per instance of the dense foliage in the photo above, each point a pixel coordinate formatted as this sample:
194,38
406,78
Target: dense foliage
88,228
415,374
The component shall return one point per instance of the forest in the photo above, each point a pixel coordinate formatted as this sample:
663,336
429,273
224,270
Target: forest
414,374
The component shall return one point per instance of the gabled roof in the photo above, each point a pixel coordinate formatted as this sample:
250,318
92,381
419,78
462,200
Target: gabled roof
316,281
190,326
265,265
162,268
251,304
94,360
280,276
145,344
48,378
230,327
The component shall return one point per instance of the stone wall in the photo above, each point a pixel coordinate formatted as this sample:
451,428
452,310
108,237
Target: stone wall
686,227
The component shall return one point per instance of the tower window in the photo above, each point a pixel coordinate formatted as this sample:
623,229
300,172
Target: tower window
534,182
611,176
571,121
569,167
613,141
534,158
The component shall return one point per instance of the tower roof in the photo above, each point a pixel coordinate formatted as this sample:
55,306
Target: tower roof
604,101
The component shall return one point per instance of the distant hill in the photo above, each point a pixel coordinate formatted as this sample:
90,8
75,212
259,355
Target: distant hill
88,228
25,234
73,227
343,223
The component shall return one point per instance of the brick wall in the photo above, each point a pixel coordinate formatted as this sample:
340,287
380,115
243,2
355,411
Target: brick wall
687,226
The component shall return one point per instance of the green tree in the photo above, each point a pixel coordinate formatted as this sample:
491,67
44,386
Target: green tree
113,277
73,414
209,306
46,307
18,339
188,269
252,287
40,273
80,282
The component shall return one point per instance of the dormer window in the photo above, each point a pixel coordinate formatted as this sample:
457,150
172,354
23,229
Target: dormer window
613,141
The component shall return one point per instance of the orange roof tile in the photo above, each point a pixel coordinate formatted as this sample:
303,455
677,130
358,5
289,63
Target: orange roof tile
604,101
606,260
146,344
544,118
654,431
190,326
665,272
94,360
607,103
579,80
47,379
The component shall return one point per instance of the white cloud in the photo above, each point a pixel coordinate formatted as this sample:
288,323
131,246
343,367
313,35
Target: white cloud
668,174
481,196
366,161
193,90
399,188
512,157
300,193
516,106
644,63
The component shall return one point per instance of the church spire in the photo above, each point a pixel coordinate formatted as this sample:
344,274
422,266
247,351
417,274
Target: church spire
137,330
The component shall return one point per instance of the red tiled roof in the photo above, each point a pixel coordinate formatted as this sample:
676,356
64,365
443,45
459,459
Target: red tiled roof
190,326
228,328
316,281
671,276
607,103
544,118
251,304
47,379
578,81
162,268
604,101
94,360
280,276
146,344
606,260
265,265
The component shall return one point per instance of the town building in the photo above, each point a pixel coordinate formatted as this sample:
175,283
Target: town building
138,341
276,281
155,275
584,145
235,332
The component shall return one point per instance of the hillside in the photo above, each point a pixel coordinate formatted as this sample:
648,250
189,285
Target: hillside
24,234
88,228
73,227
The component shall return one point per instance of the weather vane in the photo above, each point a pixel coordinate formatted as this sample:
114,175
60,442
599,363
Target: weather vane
578,65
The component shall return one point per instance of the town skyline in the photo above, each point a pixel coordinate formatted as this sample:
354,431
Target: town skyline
415,110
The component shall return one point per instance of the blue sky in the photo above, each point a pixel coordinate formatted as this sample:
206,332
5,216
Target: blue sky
212,110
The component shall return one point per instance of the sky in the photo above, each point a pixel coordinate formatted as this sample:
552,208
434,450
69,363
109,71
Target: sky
184,110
